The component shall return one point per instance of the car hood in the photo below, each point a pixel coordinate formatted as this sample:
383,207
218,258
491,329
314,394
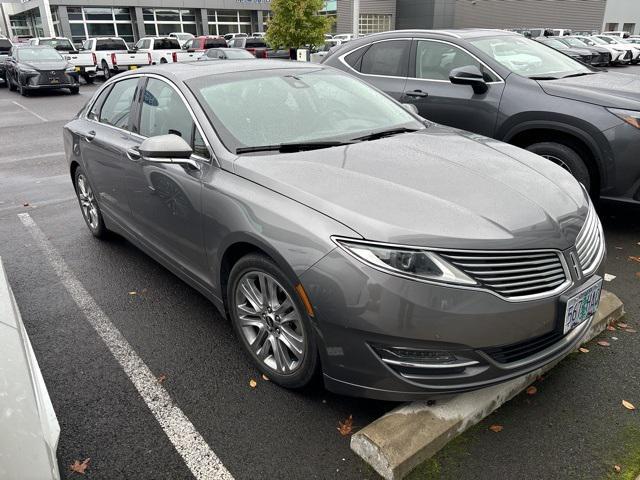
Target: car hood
575,51
609,89
42,66
439,187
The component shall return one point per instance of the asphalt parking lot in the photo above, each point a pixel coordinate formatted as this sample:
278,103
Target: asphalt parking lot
573,427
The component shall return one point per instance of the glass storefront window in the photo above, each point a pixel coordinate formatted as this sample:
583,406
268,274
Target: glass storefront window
100,29
150,29
122,13
74,13
167,28
168,15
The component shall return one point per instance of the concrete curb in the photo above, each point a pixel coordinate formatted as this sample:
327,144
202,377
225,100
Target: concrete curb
408,435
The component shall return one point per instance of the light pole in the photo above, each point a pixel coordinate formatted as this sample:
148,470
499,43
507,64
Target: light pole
356,18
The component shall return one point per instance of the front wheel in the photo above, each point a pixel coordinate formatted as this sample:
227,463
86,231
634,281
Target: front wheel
88,204
9,82
23,90
565,157
74,90
271,321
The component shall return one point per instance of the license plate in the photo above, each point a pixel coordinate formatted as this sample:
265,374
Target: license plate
77,69
133,67
54,81
582,306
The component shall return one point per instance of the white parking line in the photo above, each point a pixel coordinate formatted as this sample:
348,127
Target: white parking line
30,111
33,157
196,453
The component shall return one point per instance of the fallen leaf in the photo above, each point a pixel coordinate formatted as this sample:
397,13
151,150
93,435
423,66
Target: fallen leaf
638,274
628,405
635,259
531,390
253,383
630,330
622,325
583,350
611,328
78,467
346,427
161,378
617,468
496,428
265,378
604,343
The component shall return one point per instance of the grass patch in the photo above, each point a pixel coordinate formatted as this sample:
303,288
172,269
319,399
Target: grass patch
627,455
432,469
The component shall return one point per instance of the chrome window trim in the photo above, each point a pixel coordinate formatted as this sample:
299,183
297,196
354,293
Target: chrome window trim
341,58
213,158
563,287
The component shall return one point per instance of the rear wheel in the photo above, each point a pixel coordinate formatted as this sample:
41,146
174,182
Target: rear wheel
74,90
88,79
271,321
105,70
163,60
88,205
565,157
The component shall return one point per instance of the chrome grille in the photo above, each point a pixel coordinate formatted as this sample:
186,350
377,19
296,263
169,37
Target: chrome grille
516,274
590,243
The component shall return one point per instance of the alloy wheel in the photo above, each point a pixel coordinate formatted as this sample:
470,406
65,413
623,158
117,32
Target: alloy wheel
270,322
87,202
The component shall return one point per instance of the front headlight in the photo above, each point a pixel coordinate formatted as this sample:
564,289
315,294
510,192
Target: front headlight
28,71
630,116
409,262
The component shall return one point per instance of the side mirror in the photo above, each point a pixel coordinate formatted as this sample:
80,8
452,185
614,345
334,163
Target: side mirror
469,75
167,149
411,108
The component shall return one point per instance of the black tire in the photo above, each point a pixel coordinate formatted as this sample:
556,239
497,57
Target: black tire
307,367
23,91
566,157
98,228
74,90
105,70
88,79
163,60
10,83
4,81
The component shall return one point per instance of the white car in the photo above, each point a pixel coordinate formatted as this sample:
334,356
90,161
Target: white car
620,42
616,33
230,36
561,32
182,37
84,62
112,55
29,429
619,55
258,34
160,48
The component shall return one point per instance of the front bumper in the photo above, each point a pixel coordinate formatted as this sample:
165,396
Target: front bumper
360,312
42,80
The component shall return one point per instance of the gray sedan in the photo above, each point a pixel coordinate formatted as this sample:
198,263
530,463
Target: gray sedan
339,231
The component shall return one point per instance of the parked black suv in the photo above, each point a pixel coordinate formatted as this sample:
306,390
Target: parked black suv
502,85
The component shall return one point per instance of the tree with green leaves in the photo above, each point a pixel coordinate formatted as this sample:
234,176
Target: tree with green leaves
296,23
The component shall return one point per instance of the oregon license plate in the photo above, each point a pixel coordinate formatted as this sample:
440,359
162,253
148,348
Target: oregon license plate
582,306
133,67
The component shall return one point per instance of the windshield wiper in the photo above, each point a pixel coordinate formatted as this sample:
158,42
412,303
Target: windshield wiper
543,77
579,74
291,147
385,133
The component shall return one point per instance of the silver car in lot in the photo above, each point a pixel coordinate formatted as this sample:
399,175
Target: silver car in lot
340,232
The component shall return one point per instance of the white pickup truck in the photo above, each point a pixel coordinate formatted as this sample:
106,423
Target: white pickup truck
84,62
160,49
113,55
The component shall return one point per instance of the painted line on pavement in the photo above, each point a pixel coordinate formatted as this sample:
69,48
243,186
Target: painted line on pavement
29,111
34,157
194,450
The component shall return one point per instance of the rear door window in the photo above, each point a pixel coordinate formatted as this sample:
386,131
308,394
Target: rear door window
116,110
388,58
166,44
110,44
214,43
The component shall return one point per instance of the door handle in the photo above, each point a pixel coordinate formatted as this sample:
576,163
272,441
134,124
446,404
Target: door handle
134,154
89,136
417,93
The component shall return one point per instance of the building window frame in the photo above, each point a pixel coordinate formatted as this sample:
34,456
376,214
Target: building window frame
182,12
214,23
113,21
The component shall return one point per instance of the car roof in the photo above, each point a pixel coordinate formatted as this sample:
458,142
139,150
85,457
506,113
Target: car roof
185,71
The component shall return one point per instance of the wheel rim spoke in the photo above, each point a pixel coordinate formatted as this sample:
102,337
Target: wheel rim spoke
251,294
293,341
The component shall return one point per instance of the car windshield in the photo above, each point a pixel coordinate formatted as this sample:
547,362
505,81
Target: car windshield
574,42
38,55
61,44
5,46
608,40
275,107
550,42
529,58
166,44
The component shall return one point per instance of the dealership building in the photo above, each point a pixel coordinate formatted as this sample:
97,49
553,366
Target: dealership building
132,19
